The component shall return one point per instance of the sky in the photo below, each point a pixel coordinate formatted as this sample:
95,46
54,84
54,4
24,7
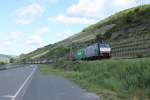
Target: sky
26,25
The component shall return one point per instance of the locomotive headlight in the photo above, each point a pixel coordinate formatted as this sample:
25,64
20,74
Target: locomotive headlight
105,49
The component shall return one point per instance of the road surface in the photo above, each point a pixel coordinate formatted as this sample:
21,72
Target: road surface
28,83
14,82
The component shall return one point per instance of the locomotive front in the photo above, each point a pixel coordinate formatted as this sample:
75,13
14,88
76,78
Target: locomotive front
105,50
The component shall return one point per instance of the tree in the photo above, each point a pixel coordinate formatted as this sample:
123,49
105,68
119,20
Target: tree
11,60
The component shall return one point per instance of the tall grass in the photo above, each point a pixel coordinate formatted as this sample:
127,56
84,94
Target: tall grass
126,79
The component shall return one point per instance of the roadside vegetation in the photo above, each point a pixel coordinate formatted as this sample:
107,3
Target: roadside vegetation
2,63
110,79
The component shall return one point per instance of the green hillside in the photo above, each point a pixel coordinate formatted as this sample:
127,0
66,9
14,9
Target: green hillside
133,22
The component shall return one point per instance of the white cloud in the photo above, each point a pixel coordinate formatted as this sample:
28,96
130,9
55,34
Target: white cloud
84,12
88,12
14,35
44,1
73,20
35,41
8,39
97,8
122,4
50,1
87,8
5,44
43,29
26,14
24,20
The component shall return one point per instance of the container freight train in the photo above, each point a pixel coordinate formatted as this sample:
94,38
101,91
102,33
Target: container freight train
94,51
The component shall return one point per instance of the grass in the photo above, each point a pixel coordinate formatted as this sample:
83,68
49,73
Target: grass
125,17
2,63
49,69
110,79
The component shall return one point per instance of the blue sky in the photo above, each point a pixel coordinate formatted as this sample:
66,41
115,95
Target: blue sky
26,25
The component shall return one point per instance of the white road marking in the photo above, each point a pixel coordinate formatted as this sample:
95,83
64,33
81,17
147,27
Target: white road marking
22,86
7,96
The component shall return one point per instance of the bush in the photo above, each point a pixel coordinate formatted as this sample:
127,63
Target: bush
139,54
2,63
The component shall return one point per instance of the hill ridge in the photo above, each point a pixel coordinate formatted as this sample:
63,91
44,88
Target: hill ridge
132,22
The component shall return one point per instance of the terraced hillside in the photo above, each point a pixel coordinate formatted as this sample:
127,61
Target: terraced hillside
129,23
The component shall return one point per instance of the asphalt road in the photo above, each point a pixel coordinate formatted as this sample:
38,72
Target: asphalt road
14,82
55,88
29,84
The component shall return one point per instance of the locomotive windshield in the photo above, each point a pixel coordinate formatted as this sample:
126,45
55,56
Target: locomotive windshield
105,45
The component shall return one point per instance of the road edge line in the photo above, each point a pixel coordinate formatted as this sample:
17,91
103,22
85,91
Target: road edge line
24,83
